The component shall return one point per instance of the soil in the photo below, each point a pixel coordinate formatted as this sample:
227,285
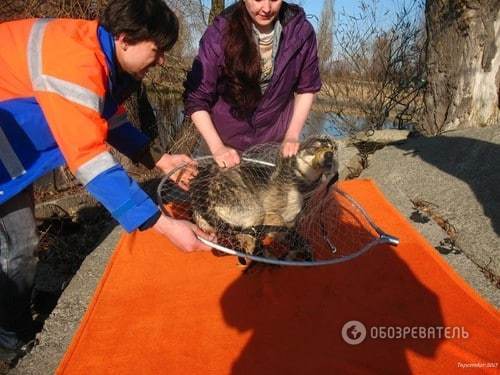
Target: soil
66,238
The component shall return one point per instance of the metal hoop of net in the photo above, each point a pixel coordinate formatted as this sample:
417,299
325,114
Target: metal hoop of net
262,210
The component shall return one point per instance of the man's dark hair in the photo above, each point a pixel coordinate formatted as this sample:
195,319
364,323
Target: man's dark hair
142,20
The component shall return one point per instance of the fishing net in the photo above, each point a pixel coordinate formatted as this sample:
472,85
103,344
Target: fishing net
272,209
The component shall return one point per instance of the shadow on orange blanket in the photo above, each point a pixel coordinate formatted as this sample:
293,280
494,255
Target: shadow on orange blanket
160,311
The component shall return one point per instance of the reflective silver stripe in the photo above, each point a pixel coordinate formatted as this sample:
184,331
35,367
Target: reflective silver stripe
42,82
35,51
9,158
117,120
73,92
95,166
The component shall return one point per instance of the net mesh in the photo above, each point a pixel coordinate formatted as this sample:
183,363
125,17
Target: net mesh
274,208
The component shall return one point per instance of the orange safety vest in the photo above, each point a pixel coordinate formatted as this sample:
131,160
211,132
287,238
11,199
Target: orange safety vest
60,101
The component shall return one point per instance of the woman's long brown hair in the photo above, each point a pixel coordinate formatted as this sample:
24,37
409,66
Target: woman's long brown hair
242,71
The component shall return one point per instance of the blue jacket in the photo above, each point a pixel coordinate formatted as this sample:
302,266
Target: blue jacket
60,102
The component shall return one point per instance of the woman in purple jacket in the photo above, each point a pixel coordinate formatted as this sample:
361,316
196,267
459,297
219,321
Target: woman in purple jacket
254,79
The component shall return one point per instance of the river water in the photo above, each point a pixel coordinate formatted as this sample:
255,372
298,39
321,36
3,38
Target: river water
332,124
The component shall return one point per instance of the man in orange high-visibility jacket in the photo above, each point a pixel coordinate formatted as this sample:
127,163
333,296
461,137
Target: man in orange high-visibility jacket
62,83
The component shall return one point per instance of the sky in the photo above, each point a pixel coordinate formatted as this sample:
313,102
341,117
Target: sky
385,8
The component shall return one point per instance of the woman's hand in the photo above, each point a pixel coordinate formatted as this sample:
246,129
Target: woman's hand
226,157
183,234
289,147
167,163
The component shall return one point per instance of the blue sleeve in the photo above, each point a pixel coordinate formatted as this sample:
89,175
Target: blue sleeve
123,198
127,139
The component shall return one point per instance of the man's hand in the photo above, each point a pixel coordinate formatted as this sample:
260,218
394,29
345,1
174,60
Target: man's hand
226,157
183,234
289,147
182,177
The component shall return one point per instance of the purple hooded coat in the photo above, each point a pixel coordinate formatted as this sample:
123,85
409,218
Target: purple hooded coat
296,70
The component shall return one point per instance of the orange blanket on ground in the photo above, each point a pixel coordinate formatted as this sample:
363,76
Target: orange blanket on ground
160,311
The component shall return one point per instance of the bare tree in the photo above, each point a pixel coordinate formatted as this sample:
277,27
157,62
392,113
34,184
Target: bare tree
463,64
325,36
376,73
217,7
14,9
